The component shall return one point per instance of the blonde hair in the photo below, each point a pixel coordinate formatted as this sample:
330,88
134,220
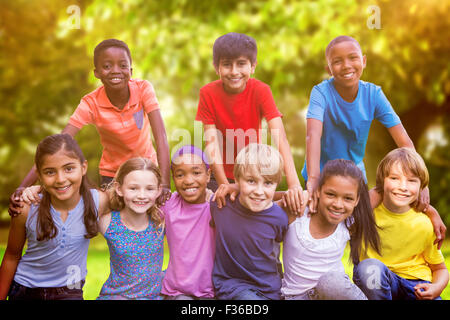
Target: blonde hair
261,157
410,162
133,164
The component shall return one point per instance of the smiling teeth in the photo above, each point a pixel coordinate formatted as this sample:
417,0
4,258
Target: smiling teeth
62,188
348,75
191,190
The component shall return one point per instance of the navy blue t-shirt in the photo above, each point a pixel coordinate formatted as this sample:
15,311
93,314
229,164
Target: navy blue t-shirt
245,243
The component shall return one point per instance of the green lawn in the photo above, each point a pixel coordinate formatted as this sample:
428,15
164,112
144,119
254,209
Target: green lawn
98,265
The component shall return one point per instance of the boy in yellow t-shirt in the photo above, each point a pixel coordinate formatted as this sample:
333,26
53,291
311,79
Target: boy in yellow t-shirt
410,265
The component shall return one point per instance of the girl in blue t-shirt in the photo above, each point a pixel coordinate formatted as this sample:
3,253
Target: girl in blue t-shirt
58,229
339,116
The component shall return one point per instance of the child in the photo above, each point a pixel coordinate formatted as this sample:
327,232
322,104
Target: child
340,112
410,265
247,229
134,232
231,110
57,230
314,244
118,109
189,235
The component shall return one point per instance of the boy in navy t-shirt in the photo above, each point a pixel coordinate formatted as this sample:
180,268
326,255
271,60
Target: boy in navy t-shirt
248,229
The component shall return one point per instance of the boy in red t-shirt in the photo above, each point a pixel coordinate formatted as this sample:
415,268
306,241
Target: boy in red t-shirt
123,110
232,109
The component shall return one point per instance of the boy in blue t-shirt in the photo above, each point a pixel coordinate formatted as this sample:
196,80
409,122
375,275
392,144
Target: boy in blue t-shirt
248,229
340,112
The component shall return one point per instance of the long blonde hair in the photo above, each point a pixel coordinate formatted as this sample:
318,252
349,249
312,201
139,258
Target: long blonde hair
133,164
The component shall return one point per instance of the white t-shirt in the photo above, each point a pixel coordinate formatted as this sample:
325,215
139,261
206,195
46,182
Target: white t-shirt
305,259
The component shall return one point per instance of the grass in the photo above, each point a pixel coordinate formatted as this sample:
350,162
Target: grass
98,264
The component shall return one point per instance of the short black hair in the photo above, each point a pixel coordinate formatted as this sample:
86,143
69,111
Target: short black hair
340,39
233,45
108,43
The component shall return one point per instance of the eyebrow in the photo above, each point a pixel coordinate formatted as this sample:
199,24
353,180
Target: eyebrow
64,165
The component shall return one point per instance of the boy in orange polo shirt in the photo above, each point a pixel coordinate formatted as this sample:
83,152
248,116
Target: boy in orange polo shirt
117,109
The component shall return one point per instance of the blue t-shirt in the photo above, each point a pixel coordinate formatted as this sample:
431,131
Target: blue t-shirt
245,243
346,124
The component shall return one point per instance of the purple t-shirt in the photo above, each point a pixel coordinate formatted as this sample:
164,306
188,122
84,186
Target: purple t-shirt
245,243
191,245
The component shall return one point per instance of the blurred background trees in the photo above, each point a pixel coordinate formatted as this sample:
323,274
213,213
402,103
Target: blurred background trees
46,67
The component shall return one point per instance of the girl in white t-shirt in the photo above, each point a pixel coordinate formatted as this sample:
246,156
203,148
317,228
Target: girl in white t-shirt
314,243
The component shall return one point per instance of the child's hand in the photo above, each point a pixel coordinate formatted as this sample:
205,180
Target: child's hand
164,196
423,201
15,203
295,199
30,195
311,187
426,291
224,189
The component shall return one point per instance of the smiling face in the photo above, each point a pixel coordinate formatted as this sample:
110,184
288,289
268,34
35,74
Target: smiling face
401,189
139,191
61,175
113,68
346,64
190,177
338,197
256,192
235,73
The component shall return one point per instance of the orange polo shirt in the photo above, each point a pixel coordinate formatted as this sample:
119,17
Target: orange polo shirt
125,133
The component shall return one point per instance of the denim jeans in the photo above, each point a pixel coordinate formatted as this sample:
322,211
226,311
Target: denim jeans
379,283
249,294
20,292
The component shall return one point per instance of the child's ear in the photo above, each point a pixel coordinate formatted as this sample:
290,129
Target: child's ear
364,61
131,71
208,173
118,189
253,67
328,70
217,69
96,74
84,167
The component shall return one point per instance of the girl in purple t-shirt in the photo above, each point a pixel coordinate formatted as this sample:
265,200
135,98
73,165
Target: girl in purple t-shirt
189,234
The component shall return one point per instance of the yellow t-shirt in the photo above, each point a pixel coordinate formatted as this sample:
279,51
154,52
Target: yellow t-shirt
406,243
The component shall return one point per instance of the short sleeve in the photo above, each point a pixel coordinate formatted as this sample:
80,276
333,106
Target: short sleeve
268,107
317,103
384,111
82,115
432,254
204,109
148,97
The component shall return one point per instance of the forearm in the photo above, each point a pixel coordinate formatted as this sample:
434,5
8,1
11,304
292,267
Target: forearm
162,153
313,156
30,178
7,271
440,279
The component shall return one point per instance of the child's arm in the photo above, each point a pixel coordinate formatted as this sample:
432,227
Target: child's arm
438,225
278,134
401,139
162,152
430,291
214,155
13,253
314,129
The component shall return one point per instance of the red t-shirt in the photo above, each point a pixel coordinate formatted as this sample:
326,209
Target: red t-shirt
237,116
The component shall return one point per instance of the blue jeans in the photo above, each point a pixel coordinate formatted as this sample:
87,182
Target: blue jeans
377,282
20,292
249,294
